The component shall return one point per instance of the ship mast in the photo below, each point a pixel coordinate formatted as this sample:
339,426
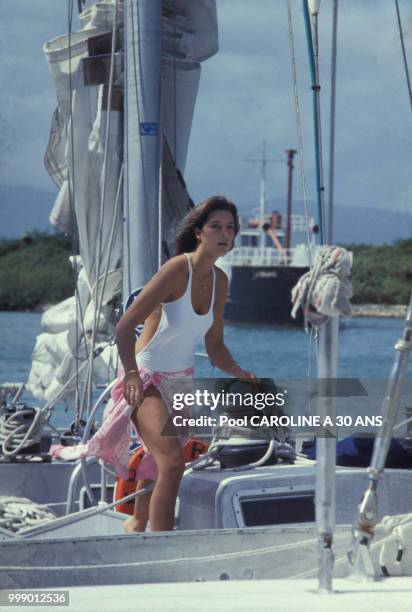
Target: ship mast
264,160
262,200
291,154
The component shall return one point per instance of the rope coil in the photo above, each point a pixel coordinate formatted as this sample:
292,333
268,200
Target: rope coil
20,429
18,513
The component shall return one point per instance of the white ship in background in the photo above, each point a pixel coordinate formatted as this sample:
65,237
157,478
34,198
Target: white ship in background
268,259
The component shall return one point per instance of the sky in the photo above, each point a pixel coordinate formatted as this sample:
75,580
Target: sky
245,96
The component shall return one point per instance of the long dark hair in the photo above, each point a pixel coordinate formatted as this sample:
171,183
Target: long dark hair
186,241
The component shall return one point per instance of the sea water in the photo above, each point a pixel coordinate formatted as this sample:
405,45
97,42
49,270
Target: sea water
366,349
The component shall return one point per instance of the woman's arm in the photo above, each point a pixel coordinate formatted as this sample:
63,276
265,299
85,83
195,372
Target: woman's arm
161,288
216,349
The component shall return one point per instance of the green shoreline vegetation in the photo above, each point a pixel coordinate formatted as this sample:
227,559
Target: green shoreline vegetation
35,272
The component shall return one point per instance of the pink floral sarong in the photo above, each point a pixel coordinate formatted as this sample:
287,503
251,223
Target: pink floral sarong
111,442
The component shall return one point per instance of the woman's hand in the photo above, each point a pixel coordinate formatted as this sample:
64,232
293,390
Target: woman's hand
133,389
239,372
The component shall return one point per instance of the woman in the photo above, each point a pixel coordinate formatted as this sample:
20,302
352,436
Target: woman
181,303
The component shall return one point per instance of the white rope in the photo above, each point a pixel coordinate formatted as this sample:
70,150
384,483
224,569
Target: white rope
15,434
17,513
325,290
399,535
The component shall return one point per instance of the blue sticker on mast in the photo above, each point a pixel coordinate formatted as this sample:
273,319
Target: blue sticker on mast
149,129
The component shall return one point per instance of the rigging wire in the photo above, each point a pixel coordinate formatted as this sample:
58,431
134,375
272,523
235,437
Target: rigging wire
313,336
160,156
111,237
72,205
332,120
112,233
318,128
299,131
405,59
175,88
95,294
126,229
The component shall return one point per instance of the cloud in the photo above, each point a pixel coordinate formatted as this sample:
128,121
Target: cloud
27,97
246,96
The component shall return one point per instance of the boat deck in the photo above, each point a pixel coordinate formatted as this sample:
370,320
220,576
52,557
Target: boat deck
242,596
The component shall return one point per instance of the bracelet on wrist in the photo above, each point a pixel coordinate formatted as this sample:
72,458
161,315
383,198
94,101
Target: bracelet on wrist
130,372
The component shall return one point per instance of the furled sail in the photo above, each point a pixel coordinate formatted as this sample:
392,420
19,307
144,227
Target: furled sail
89,160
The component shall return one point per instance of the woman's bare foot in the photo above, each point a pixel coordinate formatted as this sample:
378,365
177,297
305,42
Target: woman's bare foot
132,525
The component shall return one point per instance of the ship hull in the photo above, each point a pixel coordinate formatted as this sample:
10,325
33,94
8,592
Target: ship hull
262,294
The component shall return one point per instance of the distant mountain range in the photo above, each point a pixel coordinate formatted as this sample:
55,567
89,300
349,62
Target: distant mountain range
23,209
356,225
370,225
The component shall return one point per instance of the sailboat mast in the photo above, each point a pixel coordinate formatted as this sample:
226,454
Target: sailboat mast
313,50
327,353
291,154
263,193
142,139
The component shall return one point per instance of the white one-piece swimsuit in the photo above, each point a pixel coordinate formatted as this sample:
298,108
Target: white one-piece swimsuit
172,347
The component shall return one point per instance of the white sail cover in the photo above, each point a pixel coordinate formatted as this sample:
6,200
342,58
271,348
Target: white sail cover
90,178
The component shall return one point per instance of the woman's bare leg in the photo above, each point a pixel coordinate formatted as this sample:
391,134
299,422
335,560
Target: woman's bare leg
138,521
168,455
